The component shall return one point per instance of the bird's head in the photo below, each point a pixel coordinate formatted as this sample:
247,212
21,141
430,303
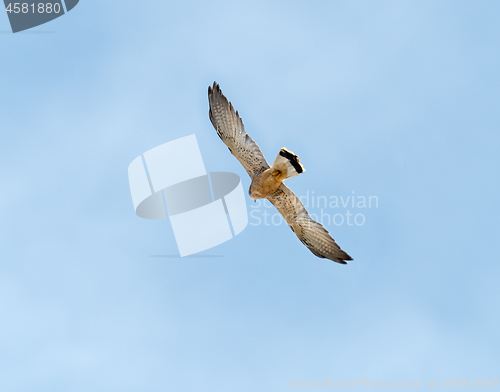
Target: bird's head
252,193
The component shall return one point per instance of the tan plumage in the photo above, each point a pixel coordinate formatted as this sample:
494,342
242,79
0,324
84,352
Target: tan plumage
267,181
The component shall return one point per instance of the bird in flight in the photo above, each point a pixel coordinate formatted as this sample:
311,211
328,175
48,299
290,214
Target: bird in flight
267,181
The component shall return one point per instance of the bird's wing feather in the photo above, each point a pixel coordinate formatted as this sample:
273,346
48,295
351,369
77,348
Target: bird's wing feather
231,130
311,233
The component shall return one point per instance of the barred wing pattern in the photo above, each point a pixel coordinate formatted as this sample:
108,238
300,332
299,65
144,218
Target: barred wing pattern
231,130
311,233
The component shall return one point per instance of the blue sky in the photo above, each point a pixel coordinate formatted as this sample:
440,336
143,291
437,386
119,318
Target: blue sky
394,99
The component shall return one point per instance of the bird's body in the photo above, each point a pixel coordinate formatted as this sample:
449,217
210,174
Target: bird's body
264,184
286,165
267,181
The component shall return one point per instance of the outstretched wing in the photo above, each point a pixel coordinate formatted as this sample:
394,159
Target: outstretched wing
311,233
231,130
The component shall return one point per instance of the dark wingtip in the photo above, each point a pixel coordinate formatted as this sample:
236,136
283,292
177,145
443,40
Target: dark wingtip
214,88
344,257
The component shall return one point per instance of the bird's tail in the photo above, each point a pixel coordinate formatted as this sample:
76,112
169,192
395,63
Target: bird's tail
287,164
